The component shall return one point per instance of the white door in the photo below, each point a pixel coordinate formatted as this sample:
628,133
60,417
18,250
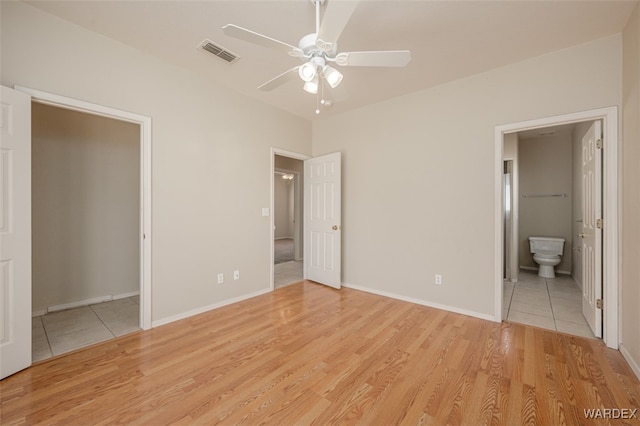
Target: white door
15,232
322,219
591,230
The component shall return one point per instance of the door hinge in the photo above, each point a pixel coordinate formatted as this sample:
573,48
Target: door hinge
599,223
599,303
599,144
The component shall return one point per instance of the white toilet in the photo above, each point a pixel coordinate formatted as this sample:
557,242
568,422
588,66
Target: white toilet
546,253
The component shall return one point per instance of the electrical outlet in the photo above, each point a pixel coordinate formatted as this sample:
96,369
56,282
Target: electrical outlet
438,279
236,275
220,278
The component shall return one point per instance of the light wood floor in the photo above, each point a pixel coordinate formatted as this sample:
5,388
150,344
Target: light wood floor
310,354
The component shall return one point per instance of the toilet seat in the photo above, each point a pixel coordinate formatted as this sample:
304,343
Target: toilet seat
546,256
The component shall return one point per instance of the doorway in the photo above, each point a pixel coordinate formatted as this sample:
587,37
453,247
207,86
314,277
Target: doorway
320,201
608,117
17,138
550,187
287,227
144,237
85,229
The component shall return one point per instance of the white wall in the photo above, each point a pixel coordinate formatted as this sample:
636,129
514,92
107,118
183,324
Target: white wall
85,206
545,168
630,276
211,170
419,173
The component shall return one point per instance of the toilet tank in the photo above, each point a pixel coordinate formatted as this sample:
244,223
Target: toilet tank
546,245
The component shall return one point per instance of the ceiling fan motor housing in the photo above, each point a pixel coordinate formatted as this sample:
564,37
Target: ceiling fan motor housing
309,45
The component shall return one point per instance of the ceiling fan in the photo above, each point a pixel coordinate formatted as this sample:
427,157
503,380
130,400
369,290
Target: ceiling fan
319,50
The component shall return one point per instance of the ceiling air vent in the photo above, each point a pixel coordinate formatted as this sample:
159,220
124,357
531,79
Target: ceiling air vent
219,51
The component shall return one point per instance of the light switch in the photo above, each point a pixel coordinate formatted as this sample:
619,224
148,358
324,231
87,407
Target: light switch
265,211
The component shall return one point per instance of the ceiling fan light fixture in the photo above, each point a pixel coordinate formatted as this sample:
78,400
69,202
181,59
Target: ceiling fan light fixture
333,76
317,49
311,86
307,72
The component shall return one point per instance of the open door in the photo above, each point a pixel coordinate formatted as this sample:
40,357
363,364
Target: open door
322,219
592,227
15,231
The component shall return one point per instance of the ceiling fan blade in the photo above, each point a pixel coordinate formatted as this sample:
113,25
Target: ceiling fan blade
335,18
376,58
259,39
280,79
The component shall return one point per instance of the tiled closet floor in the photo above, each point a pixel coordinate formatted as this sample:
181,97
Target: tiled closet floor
287,273
554,304
60,332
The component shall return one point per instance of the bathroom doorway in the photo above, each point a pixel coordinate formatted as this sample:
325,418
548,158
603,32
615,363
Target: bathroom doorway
550,194
572,124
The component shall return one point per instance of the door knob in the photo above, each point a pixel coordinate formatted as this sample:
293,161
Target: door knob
334,227
582,235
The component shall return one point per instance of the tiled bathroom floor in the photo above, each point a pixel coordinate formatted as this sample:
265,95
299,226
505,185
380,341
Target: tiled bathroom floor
287,273
554,304
60,332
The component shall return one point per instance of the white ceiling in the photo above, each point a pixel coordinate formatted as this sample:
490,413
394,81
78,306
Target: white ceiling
448,39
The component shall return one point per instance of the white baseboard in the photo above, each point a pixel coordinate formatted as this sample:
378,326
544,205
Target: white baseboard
125,295
207,308
80,303
424,303
85,302
632,362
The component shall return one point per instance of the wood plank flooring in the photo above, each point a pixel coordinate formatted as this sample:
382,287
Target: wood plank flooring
309,354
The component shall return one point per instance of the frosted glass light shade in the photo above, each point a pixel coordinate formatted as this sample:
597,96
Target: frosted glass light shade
311,86
307,72
333,76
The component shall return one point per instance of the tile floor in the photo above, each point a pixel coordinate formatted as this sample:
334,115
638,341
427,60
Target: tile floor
554,304
60,332
287,273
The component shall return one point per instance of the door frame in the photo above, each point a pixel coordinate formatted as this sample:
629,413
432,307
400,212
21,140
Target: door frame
611,210
145,180
281,153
